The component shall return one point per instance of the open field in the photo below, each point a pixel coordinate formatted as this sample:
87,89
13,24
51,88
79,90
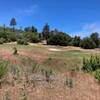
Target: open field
29,81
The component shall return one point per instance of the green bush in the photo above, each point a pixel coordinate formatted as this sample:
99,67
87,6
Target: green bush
3,35
61,39
87,43
91,64
2,40
11,37
97,74
3,70
95,38
31,37
22,42
75,41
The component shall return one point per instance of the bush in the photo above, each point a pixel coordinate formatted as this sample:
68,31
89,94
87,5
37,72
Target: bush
11,37
87,43
3,35
91,64
97,74
2,40
61,39
3,70
22,42
75,41
95,38
31,37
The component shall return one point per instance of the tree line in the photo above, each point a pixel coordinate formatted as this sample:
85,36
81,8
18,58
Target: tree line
52,37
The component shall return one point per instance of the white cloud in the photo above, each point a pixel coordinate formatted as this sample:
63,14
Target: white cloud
30,10
87,29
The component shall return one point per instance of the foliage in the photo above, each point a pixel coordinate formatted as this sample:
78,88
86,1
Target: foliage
22,41
91,64
2,40
75,41
11,37
3,68
13,23
95,38
46,31
31,37
30,29
61,39
97,74
87,43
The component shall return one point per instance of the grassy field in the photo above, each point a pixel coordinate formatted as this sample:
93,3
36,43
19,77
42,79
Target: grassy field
28,73
62,60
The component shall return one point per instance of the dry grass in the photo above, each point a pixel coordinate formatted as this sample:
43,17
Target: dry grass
85,87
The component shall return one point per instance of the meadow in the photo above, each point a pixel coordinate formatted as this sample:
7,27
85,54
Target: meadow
44,72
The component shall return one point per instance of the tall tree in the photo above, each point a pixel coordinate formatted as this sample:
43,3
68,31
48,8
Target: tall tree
13,23
46,31
4,28
95,38
33,29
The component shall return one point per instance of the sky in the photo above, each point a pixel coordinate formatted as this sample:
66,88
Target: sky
76,17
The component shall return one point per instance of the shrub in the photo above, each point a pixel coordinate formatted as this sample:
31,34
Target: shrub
3,70
97,74
75,41
31,37
11,36
87,43
61,39
3,35
91,64
95,38
22,42
2,40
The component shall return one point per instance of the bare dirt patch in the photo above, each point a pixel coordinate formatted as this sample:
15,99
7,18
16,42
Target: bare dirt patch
54,49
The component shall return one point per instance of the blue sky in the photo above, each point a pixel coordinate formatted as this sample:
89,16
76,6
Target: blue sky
77,17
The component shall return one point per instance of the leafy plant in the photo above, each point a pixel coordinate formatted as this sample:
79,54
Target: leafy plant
87,43
3,70
22,42
91,64
97,74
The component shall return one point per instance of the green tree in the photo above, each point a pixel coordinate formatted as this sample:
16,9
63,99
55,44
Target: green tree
87,43
61,39
76,41
13,23
4,28
46,31
33,29
95,38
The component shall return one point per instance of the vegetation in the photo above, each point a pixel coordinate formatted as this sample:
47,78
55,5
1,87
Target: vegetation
53,37
87,43
92,65
75,41
60,38
3,71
